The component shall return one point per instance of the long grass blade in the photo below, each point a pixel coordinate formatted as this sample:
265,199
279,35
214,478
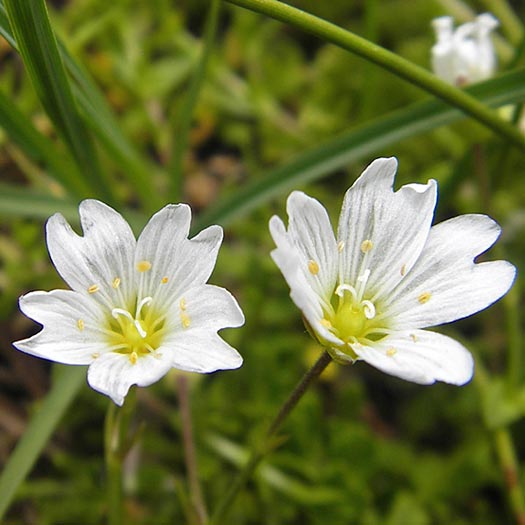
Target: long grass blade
39,148
101,120
68,381
358,143
37,45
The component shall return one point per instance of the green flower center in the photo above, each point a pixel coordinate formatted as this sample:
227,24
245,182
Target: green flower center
352,318
136,335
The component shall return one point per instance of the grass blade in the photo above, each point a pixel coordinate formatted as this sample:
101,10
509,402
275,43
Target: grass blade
67,383
39,148
357,143
101,120
37,45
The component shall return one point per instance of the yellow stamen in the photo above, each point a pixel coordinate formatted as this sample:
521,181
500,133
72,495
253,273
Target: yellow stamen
96,355
326,323
366,245
143,266
185,319
182,303
403,269
164,280
80,324
133,357
391,352
424,297
340,246
313,267
93,288
116,282
413,337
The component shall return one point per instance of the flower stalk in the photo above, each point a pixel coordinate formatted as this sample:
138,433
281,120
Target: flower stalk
190,455
269,442
117,443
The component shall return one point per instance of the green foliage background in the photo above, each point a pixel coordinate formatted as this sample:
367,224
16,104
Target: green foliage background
362,447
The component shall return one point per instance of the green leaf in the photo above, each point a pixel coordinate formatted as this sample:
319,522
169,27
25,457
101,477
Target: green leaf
68,381
358,143
38,147
37,45
101,120
21,201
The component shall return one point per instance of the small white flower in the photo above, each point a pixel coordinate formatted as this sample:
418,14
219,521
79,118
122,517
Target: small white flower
464,55
367,293
136,308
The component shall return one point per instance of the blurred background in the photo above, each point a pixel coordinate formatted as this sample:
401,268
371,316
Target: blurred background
362,447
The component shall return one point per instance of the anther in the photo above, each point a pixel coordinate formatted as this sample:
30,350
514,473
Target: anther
95,355
391,352
366,245
143,266
185,320
403,270
164,280
424,297
413,337
93,288
326,323
116,282
340,246
133,357
80,324
182,303
313,267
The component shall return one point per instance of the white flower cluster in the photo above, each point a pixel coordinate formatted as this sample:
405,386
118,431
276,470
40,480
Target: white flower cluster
137,308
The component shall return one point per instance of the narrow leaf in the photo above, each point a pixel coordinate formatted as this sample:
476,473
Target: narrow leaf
38,147
36,43
67,383
358,143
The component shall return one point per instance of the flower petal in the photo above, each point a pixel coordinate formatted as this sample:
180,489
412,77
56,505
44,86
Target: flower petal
71,331
445,284
113,374
177,263
194,321
311,235
383,231
103,254
291,262
420,356
203,352
205,307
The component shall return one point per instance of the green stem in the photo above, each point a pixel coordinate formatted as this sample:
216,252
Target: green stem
113,466
509,464
190,455
260,451
387,60
117,443
184,118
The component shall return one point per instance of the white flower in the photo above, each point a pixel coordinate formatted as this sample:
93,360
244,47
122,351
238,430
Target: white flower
464,55
367,293
135,308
